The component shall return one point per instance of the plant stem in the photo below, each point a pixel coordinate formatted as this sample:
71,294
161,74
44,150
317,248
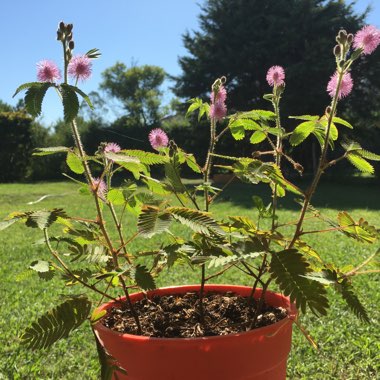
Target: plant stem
223,188
100,219
260,304
277,155
321,165
119,228
257,280
206,179
208,164
69,272
354,271
219,273
340,228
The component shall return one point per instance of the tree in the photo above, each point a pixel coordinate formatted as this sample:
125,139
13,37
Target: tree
138,90
16,144
241,39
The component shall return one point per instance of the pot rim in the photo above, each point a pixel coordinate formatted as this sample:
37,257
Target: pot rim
269,330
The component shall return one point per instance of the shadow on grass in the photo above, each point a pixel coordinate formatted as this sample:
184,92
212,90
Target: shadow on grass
342,194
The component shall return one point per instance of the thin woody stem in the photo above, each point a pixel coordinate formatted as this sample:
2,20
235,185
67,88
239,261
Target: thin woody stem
340,228
69,272
119,228
321,166
354,271
206,178
277,154
100,219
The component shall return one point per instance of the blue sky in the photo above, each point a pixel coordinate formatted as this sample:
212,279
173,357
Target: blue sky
142,31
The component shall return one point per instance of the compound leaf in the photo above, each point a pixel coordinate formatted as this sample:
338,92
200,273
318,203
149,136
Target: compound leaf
288,268
57,323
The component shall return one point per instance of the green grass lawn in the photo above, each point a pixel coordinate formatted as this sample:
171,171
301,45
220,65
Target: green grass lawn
348,348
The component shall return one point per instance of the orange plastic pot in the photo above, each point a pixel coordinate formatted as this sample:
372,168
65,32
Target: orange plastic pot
260,354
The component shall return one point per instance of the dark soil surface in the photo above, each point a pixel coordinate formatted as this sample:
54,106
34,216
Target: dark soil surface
179,316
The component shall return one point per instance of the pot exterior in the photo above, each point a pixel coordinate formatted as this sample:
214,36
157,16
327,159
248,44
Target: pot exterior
260,354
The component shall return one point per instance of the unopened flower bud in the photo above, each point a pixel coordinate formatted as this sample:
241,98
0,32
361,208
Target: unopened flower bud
350,38
256,154
59,35
342,36
280,89
337,51
69,37
62,26
173,148
69,27
71,45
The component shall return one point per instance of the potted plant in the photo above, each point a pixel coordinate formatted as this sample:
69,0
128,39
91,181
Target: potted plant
201,331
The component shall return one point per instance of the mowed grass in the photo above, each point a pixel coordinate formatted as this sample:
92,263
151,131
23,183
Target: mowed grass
349,349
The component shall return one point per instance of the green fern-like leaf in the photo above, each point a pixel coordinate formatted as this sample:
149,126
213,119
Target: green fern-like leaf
50,150
74,163
34,97
143,277
288,269
96,254
305,117
25,86
85,97
361,231
221,261
70,102
192,163
237,130
172,173
198,104
242,222
93,53
353,302
260,115
121,158
339,120
152,221
147,158
369,155
43,268
239,124
302,131
257,137
57,323
276,176
44,218
198,221
360,163
80,274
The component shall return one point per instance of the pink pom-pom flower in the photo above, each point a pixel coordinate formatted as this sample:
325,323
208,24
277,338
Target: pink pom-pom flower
367,38
48,71
276,76
345,87
221,96
218,108
112,148
100,187
158,138
80,67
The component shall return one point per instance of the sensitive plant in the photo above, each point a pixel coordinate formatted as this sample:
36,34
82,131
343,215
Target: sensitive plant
84,252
